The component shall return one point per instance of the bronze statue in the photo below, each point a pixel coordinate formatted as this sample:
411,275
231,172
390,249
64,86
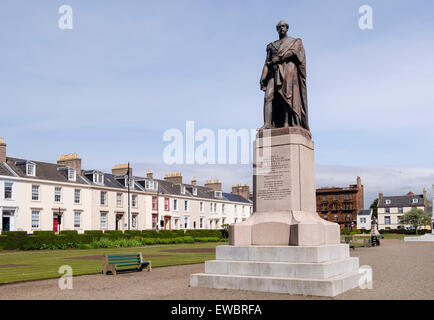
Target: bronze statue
284,82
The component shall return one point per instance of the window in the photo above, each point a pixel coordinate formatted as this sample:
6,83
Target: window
103,220
387,220
134,200
57,194
8,190
35,193
98,178
335,197
400,210
218,194
387,210
77,219
77,196
223,208
186,222
134,221
415,200
194,191
363,220
152,185
399,219
166,204
182,189
388,201
201,223
244,211
35,219
235,210
175,204
131,182
186,205
154,203
72,174
103,198
336,217
325,217
223,221
119,199
201,206
30,169
325,198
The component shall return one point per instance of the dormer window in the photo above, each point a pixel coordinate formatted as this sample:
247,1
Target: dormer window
182,189
151,185
30,169
131,183
194,191
218,194
415,200
98,178
388,202
72,174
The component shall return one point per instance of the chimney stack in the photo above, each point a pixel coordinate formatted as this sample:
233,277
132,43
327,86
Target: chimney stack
359,182
194,181
122,169
71,160
241,190
380,197
2,150
149,175
425,198
175,178
215,184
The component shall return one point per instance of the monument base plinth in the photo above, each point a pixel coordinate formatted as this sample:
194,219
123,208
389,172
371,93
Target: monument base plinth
311,270
296,228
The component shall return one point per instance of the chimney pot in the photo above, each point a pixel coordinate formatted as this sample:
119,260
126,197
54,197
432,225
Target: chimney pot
149,175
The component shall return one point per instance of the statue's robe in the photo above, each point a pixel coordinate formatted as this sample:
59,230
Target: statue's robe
290,80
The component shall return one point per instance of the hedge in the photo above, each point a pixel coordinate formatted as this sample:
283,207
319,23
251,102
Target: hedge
12,240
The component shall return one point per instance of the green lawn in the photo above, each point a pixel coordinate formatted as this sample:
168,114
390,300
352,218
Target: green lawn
44,264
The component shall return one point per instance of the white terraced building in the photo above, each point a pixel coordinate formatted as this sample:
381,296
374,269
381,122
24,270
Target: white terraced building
392,208
36,195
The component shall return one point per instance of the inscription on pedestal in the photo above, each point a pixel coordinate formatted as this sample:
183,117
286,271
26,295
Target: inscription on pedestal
274,182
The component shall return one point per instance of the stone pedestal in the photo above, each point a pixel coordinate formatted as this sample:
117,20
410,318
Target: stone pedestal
284,194
284,247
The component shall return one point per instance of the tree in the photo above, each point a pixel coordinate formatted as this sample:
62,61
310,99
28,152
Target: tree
374,207
416,218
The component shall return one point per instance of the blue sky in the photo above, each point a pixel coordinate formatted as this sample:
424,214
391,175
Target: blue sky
129,70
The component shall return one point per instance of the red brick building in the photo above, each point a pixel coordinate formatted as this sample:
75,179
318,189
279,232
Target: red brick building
341,205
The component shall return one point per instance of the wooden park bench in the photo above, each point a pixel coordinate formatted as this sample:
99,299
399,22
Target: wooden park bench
348,241
111,263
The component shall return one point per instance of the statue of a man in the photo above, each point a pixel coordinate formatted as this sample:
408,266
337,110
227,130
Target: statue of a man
284,82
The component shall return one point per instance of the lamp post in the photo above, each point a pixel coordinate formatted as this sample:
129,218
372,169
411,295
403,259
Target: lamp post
128,183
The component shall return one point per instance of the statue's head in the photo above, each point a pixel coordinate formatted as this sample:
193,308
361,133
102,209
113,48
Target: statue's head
282,28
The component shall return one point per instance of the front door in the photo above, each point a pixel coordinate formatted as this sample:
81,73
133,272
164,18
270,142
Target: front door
55,224
119,222
6,226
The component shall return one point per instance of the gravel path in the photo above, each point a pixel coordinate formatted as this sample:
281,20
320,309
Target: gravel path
401,271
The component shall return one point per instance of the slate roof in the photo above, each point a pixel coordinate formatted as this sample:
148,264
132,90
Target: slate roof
5,171
401,201
364,213
49,171
44,171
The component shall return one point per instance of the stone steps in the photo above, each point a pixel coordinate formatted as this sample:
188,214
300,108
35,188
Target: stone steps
321,270
330,287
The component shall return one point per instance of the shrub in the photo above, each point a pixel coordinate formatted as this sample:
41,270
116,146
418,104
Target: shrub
84,246
95,233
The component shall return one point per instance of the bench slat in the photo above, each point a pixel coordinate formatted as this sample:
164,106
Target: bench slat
124,255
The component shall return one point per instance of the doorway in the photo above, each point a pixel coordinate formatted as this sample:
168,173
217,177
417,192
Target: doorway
6,224
120,222
55,223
